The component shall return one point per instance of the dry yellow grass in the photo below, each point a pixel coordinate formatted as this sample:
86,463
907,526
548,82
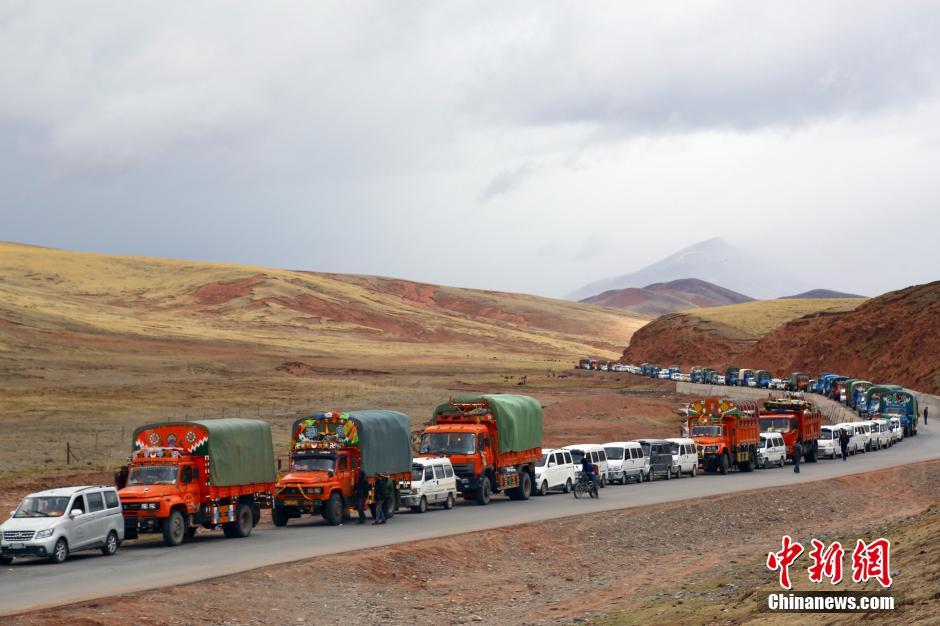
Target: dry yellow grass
758,318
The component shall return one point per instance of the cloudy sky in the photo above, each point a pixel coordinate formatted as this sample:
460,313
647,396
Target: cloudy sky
522,146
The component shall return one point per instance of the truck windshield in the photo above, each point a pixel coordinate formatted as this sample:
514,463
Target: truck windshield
43,506
152,475
706,431
614,454
775,425
313,464
448,443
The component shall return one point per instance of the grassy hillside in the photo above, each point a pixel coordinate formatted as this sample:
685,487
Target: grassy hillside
92,343
758,318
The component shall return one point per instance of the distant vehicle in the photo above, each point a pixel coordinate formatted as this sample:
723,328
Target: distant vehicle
798,382
55,523
762,379
695,374
664,374
555,471
684,456
676,376
745,376
626,461
659,453
720,380
685,378
432,482
772,451
731,375
584,364
778,384
598,457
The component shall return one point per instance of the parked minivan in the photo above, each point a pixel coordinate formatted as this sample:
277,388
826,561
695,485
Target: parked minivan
432,482
864,434
626,461
856,442
598,458
897,430
772,451
57,522
659,452
880,434
554,471
828,443
684,456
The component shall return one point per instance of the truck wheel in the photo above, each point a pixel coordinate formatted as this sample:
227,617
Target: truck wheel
333,511
174,529
813,453
279,516
543,488
483,491
110,544
449,502
241,527
60,553
524,490
422,505
723,464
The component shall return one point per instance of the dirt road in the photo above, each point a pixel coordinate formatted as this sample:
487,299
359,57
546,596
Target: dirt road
32,585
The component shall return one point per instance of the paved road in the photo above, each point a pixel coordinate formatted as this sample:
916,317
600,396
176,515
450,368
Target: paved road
30,585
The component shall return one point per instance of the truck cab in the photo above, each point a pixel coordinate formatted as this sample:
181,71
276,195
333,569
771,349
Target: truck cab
320,481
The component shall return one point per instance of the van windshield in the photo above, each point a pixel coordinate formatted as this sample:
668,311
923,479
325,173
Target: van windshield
775,425
577,455
152,475
614,454
417,473
42,506
674,448
448,443
826,434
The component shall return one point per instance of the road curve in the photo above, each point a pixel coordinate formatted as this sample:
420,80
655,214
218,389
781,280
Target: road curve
30,585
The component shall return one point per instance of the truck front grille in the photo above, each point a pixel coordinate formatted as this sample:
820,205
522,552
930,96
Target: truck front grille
464,470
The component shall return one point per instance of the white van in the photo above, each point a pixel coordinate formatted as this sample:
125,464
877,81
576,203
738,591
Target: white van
432,482
828,443
880,434
772,451
554,471
598,457
897,430
55,523
864,432
856,442
626,461
684,457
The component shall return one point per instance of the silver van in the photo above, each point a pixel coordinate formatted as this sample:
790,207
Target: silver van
54,523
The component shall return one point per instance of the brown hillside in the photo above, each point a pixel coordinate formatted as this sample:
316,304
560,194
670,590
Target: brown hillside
892,338
662,298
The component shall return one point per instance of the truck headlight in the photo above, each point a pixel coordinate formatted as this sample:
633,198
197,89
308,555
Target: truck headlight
44,534
152,506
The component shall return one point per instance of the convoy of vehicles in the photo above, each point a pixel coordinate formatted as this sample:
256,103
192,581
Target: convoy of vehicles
204,473
494,442
327,453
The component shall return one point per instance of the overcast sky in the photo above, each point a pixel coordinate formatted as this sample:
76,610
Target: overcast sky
519,146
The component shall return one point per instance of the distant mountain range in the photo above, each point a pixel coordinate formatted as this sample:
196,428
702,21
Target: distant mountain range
661,298
821,293
714,261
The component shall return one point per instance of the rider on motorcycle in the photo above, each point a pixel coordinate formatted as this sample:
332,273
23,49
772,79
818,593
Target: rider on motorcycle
587,468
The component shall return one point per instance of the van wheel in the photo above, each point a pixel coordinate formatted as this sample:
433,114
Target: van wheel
279,516
110,544
484,491
568,486
60,553
603,481
449,502
422,505
543,488
333,511
174,529
694,471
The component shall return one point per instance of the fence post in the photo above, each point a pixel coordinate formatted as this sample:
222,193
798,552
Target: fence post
68,453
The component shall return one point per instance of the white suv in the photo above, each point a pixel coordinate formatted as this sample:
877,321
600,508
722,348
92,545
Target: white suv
54,523
555,471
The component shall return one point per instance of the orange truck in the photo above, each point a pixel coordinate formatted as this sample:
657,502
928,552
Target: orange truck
208,473
328,450
493,442
796,420
726,433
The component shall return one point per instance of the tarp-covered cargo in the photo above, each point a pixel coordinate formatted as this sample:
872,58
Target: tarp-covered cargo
240,451
383,437
518,418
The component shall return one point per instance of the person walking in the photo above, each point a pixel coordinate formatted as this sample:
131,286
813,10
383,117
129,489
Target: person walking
925,416
362,496
379,516
844,444
797,455
389,497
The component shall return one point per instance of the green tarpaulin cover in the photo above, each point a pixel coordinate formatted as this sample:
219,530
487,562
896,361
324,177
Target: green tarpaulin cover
518,419
240,451
383,437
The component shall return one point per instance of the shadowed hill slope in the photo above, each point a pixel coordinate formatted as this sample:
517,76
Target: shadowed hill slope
661,298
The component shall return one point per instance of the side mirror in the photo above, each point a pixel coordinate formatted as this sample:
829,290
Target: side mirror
76,513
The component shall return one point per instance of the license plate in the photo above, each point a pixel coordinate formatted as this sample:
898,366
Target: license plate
292,502
17,546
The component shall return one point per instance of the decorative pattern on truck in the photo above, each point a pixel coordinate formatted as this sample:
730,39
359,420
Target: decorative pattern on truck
189,437
327,428
712,409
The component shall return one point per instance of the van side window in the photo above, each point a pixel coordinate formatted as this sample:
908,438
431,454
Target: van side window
79,504
639,453
111,499
95,501
438,472
603,455
428,473
568,457
448,471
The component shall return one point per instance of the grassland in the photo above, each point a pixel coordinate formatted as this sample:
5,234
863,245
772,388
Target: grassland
756,319
91,345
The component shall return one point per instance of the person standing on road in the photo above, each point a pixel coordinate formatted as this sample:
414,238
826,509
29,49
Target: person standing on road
389,497
379,516
925,416
797,455
362,496
844,444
